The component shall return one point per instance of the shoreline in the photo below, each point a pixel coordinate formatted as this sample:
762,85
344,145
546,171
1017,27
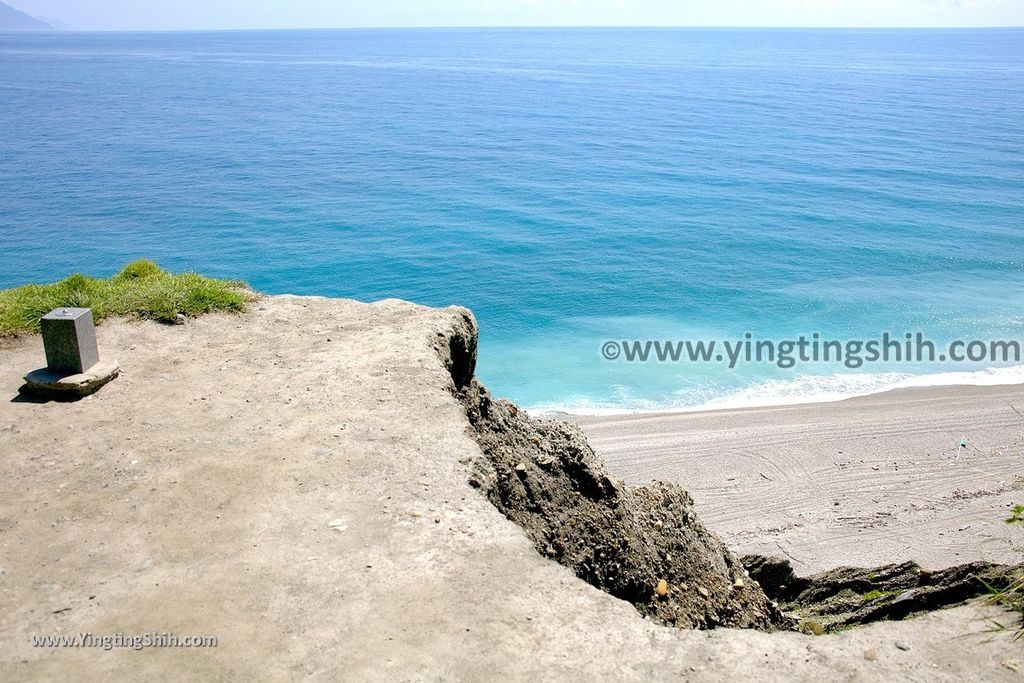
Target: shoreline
992,377
922,473
896,393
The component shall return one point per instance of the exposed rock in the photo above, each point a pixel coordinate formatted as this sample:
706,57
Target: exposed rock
646,546
847,596
633,543
812,627
457,348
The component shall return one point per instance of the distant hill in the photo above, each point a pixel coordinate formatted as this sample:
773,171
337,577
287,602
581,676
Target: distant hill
16,20
57,25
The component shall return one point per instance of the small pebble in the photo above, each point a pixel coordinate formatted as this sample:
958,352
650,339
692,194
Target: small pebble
900,645
338,524
871,654
662,588
812,628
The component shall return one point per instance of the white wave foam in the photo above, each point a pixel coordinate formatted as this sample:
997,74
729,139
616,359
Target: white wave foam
801,389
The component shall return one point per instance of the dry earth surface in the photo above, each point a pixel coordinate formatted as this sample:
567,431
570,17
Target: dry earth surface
294,481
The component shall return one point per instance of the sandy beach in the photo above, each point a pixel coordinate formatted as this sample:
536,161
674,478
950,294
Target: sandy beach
860,482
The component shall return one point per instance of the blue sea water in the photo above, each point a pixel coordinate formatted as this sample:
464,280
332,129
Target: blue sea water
570,186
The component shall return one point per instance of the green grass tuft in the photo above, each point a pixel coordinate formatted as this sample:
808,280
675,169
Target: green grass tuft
1016,515
140,290
1012,598
875,594
139,269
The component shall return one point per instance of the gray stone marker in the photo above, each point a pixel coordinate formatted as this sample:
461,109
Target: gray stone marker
69,339
73,365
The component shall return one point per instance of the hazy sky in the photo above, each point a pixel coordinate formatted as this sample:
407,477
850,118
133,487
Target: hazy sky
243,14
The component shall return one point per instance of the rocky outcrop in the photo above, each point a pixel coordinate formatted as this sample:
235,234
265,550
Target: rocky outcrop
848,596
644,545
456,345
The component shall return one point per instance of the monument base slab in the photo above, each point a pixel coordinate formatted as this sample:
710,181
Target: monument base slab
57,384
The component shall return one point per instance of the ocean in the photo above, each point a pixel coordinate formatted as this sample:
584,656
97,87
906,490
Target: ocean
571,187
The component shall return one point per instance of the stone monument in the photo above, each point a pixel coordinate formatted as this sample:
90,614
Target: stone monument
73,364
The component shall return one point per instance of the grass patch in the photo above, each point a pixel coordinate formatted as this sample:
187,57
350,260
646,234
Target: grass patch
141,290
876,594
1012,598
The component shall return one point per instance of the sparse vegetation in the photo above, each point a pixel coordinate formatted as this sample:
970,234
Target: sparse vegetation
1012,596
876,594
141,290
1016,515
812,627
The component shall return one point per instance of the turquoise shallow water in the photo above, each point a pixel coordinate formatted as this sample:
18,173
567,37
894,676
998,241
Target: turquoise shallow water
570,186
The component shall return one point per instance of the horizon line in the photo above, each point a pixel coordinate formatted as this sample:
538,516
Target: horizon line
526,27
